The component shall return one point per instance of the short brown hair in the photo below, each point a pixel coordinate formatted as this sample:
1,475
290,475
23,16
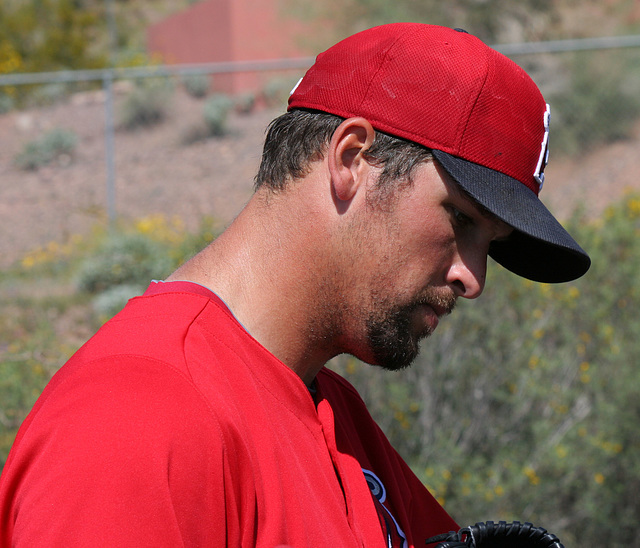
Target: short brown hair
299,137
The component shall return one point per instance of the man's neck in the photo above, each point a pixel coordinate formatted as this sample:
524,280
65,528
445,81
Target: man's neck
265,268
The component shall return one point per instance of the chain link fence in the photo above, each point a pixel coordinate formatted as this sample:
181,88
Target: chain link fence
87,146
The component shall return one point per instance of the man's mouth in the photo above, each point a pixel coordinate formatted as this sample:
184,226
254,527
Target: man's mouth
441,304
432,308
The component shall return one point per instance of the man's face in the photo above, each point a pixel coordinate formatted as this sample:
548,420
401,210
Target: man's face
411,262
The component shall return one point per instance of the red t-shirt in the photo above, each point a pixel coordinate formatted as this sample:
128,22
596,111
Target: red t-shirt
172,426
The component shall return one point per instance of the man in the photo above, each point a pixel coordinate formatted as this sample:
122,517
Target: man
202,414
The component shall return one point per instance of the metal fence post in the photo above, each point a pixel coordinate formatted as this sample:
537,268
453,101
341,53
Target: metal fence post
109,139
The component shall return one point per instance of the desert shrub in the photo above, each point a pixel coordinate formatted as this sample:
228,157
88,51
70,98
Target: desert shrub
37,36
591,111
53,35
34,342
245,102
123,259
194,133
51,146
48,94
213,123
197,85
276,91
113,299
7,103
216,111
147,105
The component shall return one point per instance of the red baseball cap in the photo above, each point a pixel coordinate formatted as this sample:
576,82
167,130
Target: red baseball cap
482,116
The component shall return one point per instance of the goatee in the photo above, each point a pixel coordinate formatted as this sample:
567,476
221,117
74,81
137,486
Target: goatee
393,339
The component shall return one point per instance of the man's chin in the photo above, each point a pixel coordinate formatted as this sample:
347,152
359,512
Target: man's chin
397,358
394,344
396,365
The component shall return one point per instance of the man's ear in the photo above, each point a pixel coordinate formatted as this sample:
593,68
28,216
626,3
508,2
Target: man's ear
347,166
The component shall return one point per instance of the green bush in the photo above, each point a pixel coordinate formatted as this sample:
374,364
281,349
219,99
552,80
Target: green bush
276,91
245,102
147,105
197,85
7,103
591,110
216,112
48,94
113,299
124,259
39,331
51,146
52,35
213,123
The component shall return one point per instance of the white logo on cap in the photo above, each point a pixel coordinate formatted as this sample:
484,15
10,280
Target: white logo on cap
544,151
295,87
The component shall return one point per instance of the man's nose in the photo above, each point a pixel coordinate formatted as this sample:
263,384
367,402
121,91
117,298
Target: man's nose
467,275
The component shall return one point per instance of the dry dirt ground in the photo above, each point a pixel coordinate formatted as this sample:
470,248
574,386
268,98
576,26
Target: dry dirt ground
157,173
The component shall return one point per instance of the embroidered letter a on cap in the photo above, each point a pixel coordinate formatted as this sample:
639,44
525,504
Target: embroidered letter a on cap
544,151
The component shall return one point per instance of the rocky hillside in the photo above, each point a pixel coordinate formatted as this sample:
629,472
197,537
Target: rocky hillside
156,172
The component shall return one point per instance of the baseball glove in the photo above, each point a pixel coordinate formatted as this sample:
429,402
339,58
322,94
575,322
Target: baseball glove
497,535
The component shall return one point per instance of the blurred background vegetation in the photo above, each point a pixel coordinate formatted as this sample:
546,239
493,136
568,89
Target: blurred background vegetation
524,405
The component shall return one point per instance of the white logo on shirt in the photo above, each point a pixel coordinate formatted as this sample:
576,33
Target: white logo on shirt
395,535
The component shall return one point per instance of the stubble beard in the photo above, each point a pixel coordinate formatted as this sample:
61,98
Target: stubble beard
393,340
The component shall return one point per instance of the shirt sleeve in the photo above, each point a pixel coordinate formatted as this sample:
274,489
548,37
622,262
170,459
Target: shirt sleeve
120,452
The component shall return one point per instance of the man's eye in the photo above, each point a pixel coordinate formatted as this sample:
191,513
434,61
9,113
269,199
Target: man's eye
460,218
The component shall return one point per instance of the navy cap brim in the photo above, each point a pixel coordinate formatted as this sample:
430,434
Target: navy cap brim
540,249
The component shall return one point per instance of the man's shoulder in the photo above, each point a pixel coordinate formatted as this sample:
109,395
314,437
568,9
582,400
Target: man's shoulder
157,326
145,352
